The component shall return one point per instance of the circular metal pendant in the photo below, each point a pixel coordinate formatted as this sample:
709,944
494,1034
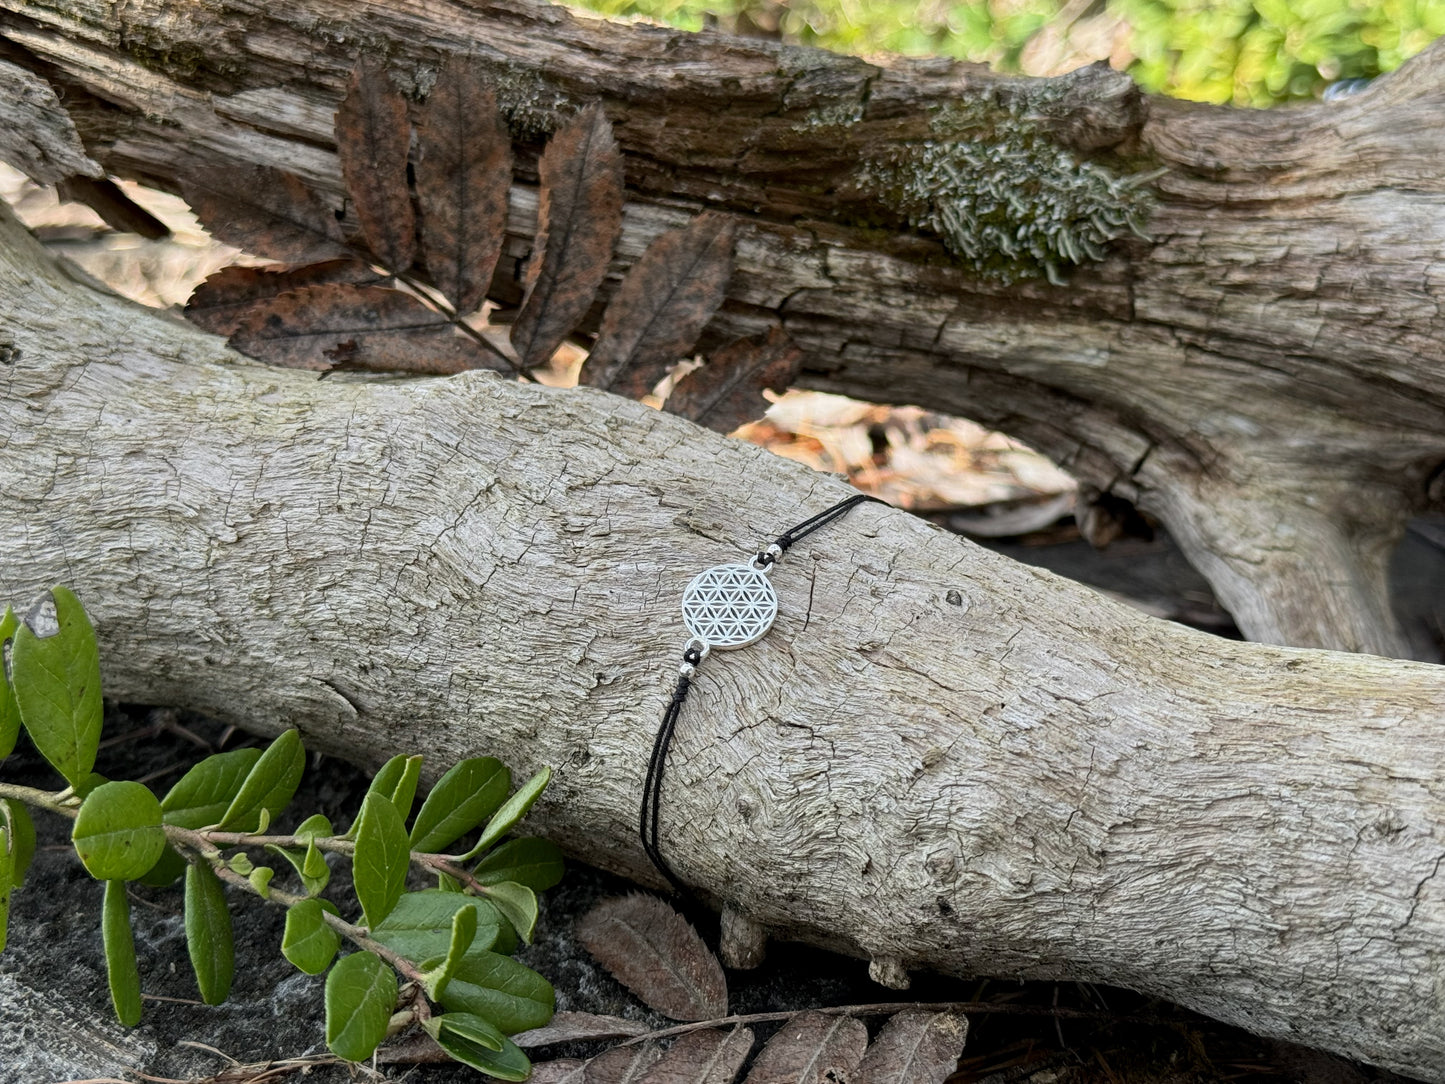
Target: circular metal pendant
729,606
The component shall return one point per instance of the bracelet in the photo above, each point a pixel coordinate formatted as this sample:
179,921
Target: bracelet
727,607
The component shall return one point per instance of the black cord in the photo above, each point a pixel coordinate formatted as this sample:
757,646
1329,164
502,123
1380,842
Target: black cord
652,785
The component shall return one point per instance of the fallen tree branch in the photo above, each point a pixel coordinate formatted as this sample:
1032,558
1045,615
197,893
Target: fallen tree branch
1263,373
951,761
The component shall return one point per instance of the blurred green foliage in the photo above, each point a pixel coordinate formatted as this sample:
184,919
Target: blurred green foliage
1245,52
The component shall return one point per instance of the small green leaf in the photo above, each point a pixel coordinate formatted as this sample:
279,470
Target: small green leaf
507,1063
536,863
518,905
420,925
464,930
447,883
240,863
118,832
9,710
120,965
168,867
310,865
466,795
56,680
260,879
309,942
396,782
208,933
513,810
511,995
380,863
7,882
269,785
15,818
315,826
360,995
473,1041
201,797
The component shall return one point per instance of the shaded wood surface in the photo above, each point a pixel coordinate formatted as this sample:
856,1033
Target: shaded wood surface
939,758
1264,374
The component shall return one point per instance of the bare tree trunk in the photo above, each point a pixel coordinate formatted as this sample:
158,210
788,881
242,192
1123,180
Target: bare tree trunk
1264,373
939,758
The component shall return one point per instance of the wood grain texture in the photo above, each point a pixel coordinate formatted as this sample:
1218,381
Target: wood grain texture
38,137
954,760
1263,374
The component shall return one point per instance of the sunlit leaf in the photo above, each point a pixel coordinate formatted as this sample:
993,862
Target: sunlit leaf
360,997
118,832
309,942
469,793
121,971
56,679
209,939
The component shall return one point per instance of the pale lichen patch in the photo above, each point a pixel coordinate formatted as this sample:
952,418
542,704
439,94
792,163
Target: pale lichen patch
1006,197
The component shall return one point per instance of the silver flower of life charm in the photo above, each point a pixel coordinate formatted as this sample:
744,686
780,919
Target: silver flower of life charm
729,606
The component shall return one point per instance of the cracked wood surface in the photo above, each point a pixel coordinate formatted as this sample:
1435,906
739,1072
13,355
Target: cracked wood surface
938,758
1264,374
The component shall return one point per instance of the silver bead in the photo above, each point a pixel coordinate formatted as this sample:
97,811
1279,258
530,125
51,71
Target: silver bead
687,669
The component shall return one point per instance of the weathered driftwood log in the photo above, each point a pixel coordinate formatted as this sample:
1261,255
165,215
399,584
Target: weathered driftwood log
939,758
1264,373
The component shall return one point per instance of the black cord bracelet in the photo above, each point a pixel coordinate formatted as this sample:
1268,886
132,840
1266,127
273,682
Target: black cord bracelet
726,607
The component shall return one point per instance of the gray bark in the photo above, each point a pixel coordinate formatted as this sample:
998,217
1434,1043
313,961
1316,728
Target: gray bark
938,758
1263,374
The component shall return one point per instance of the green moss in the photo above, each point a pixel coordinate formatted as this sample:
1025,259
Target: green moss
1007,199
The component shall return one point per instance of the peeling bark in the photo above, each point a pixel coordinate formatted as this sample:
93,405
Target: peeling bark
1263,374
938,759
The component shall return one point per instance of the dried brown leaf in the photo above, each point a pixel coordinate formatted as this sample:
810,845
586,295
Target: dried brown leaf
373,137
354,327
217,305
914,1047
571,1027
703,1057
812,1048
728,391
579,215
266,211
651,949
662,306
463,173
624,1065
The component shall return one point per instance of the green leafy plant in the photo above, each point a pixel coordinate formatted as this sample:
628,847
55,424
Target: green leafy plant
437,959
